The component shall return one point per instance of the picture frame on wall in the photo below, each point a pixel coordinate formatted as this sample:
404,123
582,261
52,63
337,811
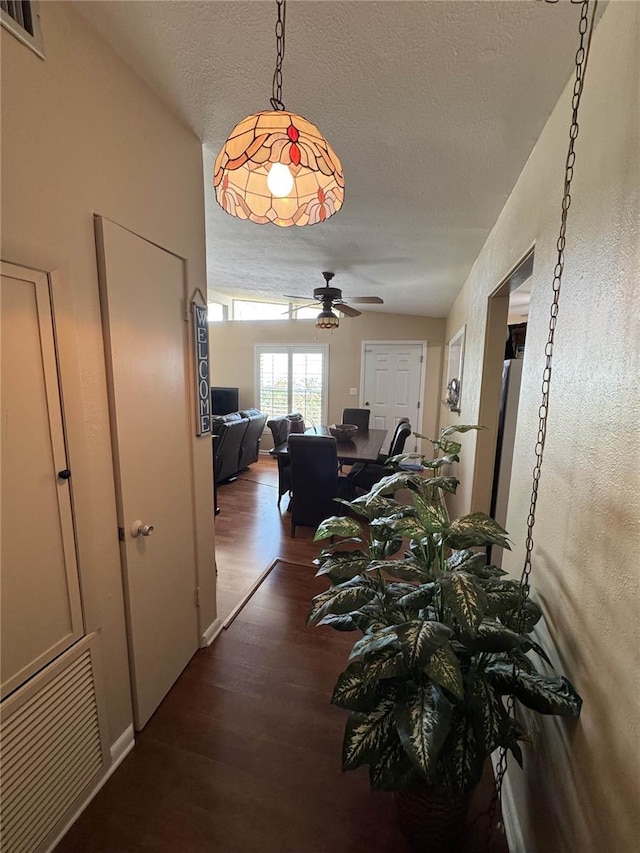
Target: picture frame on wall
455,363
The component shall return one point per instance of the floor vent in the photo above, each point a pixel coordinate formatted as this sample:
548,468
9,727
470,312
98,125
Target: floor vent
22,18
51,750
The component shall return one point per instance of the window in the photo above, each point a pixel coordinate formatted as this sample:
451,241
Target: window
217,312
245,309
292,379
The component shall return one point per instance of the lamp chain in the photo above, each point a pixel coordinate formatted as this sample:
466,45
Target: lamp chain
276,92
586,30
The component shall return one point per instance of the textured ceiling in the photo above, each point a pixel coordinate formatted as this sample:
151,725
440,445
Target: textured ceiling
433,108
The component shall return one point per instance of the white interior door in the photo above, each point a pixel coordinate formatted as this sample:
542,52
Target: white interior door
41,610
392,385
142,294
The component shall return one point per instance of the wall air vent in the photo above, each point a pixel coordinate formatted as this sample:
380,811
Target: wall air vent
22,19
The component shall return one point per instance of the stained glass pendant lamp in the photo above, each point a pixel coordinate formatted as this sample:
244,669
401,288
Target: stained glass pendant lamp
276,166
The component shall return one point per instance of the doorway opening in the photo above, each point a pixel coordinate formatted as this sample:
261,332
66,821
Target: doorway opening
507,313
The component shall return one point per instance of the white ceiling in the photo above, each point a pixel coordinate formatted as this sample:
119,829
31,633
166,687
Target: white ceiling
433,108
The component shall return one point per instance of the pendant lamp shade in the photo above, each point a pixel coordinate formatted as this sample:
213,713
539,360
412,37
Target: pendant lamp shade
242,169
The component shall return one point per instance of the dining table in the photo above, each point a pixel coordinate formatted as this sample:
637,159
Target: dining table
363,447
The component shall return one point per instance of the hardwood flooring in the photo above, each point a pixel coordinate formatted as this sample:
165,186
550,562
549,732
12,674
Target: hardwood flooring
243,755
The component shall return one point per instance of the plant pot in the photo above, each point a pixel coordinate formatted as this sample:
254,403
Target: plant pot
429,820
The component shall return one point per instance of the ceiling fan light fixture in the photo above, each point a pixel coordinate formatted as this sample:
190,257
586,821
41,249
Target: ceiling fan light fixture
276,166
326,319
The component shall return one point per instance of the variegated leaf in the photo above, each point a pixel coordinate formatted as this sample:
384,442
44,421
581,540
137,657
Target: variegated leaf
376,505
441,461
394,482
432,516
352,691
447,484
407,570
419,597
340,623
502,596
410,528
489,717
337,525
386,547
420,639
530,645
493,637
466,561
387,663
340,599
529,617
476,529
458,428
462,761
367,734
544,695
423,717
465,599
344,565
392,769
450,446
443,668
373,642
331,548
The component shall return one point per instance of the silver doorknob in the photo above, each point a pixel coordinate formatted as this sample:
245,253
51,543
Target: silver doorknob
140,529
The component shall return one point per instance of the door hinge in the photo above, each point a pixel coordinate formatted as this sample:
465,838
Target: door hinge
418,404
185,315
121,534
196,596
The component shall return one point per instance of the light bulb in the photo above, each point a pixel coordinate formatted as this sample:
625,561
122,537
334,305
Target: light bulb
280,180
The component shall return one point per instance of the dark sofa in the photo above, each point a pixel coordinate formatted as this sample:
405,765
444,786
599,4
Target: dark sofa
236,441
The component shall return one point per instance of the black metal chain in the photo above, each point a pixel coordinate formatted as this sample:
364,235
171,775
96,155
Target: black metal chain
276,89
586,30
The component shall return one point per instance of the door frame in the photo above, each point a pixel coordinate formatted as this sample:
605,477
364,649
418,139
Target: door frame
208,625
423,372
491,381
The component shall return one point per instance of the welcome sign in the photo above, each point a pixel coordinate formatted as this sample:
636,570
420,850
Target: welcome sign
203,393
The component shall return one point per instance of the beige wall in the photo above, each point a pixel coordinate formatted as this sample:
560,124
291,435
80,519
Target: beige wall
232,355
579,791
81,134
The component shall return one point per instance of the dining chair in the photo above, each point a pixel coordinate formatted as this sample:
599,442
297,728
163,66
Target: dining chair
315,481
364,475
359,417
280,427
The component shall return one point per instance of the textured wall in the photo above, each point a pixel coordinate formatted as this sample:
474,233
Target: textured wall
232,355
579,791
81,134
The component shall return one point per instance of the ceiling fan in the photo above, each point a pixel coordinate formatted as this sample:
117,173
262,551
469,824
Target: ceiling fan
330,298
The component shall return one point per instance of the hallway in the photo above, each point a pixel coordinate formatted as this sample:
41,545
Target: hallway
244,753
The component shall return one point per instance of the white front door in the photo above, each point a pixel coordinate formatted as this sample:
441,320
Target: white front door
392,385
142,295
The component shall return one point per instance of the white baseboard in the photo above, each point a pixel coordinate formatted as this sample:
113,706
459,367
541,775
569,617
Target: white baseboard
119,751
512,825
211,633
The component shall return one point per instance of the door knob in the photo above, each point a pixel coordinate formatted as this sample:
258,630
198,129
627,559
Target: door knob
140,529
64,474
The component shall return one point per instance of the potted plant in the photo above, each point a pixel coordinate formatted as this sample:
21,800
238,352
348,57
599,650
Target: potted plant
444,637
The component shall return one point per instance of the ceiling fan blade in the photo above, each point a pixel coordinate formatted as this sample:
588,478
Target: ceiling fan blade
301,298
370,300
345,309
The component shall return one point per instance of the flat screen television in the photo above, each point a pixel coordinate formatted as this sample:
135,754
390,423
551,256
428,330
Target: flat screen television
224,400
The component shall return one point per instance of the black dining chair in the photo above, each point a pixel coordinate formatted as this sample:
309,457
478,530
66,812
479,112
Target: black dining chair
315,481
359,417
364,475
280,427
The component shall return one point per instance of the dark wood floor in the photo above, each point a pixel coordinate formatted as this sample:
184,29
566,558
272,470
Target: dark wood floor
244,753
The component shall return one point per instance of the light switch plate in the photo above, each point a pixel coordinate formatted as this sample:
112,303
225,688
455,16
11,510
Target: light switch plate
353,392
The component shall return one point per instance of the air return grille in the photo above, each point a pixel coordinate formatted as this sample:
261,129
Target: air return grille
22,18
51,750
